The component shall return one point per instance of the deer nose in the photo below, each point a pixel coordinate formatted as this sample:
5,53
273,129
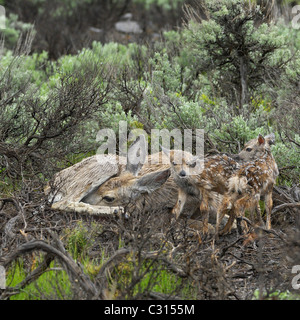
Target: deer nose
182,173
240,192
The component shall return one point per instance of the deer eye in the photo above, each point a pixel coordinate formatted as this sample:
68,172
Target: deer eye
192,165
249,149
108,199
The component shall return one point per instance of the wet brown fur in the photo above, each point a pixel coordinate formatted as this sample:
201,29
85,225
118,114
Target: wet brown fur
260,175
258,168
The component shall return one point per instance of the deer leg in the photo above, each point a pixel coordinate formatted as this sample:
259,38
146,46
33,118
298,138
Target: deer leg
205,213
258,213
269,204
229,223
240,207
221,213
178,208
252,215
219,219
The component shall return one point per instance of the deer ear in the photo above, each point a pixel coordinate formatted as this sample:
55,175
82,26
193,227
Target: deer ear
136,155
91,196
152,181
261,139
192,162
270,138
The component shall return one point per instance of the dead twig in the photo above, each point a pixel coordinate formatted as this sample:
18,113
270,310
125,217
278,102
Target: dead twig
286,205
35,274
75,273
271,231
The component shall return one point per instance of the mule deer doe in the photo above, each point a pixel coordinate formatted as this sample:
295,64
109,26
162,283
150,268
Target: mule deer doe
253,180
149,191
152,189
72,184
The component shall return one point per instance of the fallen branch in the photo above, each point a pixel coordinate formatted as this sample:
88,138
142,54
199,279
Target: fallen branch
11,222
286,205
74,271
230,245
271,231
10,225
35,274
